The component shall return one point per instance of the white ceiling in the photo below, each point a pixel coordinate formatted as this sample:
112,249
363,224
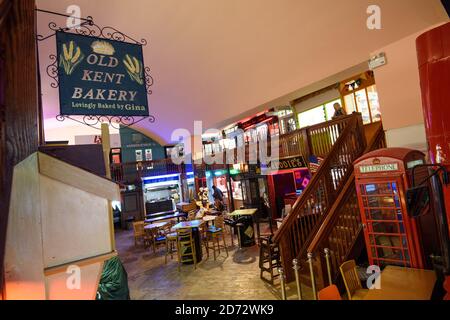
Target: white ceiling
215,59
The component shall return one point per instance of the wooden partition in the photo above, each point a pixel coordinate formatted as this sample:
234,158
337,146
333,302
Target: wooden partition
59,226
19,114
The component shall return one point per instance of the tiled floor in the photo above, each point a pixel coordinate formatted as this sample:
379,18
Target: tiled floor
228,278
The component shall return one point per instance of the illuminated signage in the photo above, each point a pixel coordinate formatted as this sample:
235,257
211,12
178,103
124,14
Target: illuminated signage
289,163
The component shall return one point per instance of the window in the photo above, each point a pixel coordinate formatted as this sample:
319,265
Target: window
318,114
311,117
288,124
366,102
329,109
350,104
374,103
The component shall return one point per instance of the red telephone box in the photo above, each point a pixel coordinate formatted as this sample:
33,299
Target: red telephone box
391,236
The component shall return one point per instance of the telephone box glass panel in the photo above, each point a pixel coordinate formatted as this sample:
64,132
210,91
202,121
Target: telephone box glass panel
385,224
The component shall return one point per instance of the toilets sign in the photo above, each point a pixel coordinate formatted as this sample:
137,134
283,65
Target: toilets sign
100,77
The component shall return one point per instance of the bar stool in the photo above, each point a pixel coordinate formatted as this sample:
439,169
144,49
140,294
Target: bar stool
171,241
239,225
231,224
204,238
269,253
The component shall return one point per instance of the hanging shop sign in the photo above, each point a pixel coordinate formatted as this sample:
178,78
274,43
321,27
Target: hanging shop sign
291,163
100,76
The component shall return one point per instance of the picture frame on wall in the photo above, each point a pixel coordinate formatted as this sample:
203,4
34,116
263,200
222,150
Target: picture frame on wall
149,157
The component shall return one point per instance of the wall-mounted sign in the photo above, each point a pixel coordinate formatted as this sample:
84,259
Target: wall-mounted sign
139,156
100,76
148,155
378,168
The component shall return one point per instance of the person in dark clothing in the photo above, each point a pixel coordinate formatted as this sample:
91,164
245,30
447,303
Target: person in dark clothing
338,110
217,194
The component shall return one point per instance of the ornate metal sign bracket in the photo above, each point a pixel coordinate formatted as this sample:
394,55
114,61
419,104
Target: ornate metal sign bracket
87,27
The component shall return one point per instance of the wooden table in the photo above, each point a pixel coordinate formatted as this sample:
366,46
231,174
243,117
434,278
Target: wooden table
188,224
156,225
194,225
243,212
208,219
399,283
246,233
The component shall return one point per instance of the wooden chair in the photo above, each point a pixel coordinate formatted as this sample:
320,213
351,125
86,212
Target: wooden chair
140,234
231,225
329,293
204,238
352,283
186,247
215,233
171,240
157,237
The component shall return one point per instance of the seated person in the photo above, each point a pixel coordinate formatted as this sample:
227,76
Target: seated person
218,205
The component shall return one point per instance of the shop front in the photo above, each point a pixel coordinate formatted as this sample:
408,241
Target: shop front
286,181
219,178
250,188
162,193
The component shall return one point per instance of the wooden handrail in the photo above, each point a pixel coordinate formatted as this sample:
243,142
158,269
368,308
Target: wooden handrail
317,139
333,121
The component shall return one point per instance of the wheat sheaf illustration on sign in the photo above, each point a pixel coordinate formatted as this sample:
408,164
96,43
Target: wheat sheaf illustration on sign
134,68
70,57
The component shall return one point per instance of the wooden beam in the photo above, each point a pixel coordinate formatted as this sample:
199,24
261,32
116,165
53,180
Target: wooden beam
78,178
80,263
18,98
106,146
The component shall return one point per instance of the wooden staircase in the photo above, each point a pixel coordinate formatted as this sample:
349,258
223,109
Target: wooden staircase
328,192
